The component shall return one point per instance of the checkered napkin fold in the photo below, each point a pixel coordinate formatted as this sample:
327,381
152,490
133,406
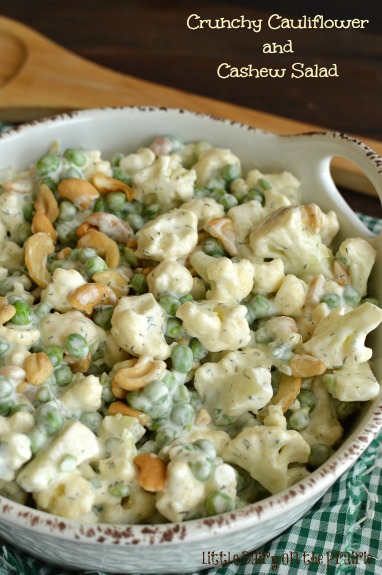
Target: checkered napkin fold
340,535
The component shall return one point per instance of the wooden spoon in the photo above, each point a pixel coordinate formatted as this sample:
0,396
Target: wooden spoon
39,78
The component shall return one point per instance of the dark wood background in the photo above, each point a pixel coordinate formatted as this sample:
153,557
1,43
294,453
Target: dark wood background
150,39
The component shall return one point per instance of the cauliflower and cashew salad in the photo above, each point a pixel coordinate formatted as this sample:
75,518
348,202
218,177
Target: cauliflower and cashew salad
178,338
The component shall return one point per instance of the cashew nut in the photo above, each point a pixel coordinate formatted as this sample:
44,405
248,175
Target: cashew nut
46,203
37,249
105,184
88,296
38,368
140,374
78,191
106,247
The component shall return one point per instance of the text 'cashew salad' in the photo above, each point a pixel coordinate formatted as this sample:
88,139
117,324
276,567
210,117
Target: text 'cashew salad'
178,338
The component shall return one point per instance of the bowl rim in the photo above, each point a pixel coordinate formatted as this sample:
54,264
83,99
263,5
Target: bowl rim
313,486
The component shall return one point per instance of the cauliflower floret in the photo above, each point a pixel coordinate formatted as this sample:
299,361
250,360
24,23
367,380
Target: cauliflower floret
353,383
267,453
15,450
200,261
183,495
323,426
330,227
239,382
205,209
165,181
117,425
218,326
339,338
75,440
19,422
11,255
133,163
55,328
230,281
13,491
19,335
95,165
71,496
169,236
84,394
63,283
292,234
244,218
211,162
11,212
169,276
138,325
290,297
359,256
284,183
268,276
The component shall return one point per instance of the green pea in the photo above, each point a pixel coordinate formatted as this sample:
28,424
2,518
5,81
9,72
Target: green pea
259,307
181,394
68,463
95,265
262,335
107,394
228,201
185,298
95,481
156,391
207,447
169,380
134,207
218,194
130,257
6,407
174,328
49,418
169,302
22,407
201,469
100,205
43,394
116,159
136,221
182,415
66,233
139,283
212,247
48,163
332,300
351,295
76,346
201,192
50,183
23,315
55,354
23,232
165,435
68,211
216,184
319,453
38,437
299,419
28,213
198,350
6,285
115,201
307,399
84,254
4,347
264,184
152,210
218,502
92,420
240,194
41,309
255,194
230,172
119,490
6,388
102,316
63,375
182,358
76,157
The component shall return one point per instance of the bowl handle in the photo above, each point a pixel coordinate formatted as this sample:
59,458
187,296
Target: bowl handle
329,144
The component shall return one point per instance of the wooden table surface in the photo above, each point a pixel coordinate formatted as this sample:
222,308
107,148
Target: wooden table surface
151,40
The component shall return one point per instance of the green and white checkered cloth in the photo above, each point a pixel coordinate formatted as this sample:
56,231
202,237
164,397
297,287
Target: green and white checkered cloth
340,535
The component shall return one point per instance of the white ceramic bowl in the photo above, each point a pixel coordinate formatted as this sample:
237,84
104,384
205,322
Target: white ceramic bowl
177,548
